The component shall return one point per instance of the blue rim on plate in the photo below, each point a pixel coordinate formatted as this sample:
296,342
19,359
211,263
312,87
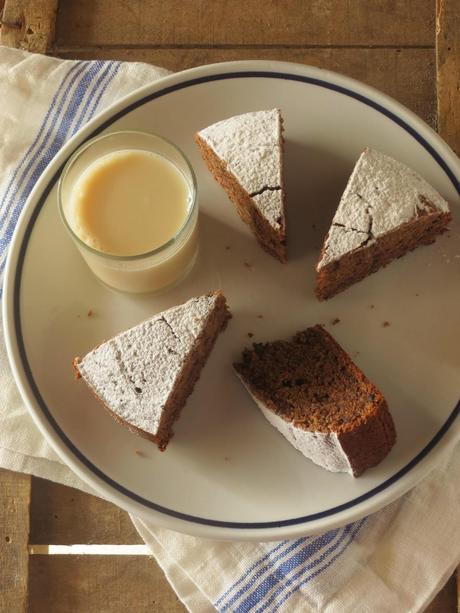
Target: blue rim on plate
20,340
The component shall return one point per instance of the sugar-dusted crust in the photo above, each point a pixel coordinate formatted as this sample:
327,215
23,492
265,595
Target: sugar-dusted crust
245,155
144,375
346,434
386,210
358,264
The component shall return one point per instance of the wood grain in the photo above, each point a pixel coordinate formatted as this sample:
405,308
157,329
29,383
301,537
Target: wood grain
446,600
14,538
64,516
409,75
99,584
242,22
29,24
448,71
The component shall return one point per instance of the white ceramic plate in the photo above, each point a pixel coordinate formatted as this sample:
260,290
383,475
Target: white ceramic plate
227,473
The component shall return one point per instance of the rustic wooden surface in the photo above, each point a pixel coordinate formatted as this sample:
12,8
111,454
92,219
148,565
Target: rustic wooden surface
14,540
29,25
409,49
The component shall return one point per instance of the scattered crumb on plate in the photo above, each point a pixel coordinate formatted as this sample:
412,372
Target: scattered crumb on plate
386,324
90,313
335,321
260,316
227,247
248,265
140,453
250,334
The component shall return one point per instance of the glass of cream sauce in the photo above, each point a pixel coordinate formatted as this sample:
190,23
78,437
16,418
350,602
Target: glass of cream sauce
129,202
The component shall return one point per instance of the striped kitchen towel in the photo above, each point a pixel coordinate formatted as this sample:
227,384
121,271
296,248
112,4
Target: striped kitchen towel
394,560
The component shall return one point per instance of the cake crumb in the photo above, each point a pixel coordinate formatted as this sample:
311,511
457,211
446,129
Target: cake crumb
372,306
313,226
227,458
227,247
260,316
386,324
335,321
248,265
356,354
250,334
140,453
90,313
417,294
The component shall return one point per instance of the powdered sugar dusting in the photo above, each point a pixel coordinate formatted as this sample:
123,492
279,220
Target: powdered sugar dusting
270,204
322,448
381,194
250,145
135,372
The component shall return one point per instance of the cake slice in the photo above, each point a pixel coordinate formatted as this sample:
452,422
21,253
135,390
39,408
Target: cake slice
245,155
312,392
144,376
387,210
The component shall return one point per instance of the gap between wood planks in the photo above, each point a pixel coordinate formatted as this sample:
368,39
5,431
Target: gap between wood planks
53,49
95,550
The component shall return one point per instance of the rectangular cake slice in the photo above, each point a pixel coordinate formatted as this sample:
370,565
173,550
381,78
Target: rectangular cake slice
386,210
144,376
245,155
313,393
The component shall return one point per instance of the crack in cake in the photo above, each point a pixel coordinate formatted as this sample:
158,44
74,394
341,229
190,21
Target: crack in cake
386,210
144,376
245,155
321,402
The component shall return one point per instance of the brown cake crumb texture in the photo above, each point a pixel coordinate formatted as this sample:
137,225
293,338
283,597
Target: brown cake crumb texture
358,264
269,238
312,382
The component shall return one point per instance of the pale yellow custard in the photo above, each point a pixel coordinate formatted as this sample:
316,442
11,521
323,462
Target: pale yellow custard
129,202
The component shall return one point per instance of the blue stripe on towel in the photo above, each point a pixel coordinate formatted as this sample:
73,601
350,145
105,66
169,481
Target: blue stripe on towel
52,114
274,574
64,121
355,529
314,545
266,576
253,567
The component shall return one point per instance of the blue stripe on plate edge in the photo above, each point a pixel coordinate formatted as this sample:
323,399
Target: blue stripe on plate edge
27,370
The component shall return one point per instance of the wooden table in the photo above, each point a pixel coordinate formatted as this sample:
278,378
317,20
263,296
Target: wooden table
409,49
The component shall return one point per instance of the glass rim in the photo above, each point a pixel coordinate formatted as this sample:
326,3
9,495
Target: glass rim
158,250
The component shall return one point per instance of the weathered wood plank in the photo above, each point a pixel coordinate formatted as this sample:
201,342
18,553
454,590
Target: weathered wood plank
457,577
14,538
448,71
406,74
99,584
446,600
29,24
239,22
448,91
64,516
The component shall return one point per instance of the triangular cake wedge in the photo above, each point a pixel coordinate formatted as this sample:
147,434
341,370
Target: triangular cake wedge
386,210
320,401
144,376
245,155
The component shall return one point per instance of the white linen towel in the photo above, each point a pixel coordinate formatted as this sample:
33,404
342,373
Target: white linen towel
394,560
